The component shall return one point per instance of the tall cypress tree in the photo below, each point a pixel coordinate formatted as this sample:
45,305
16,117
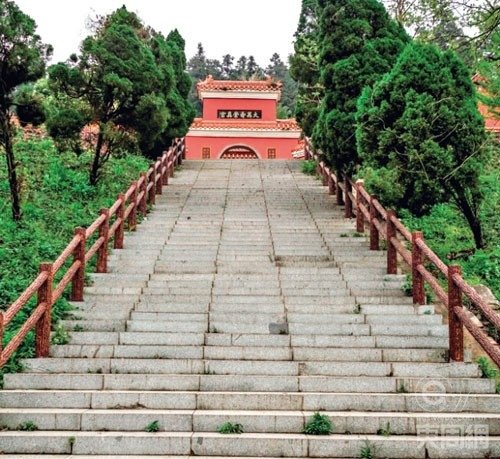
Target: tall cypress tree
359,42
304,67
420,132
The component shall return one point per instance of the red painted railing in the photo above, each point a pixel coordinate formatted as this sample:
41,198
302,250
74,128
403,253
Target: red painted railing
109,226
384,224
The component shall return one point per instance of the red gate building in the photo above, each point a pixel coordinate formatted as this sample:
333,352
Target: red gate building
239,122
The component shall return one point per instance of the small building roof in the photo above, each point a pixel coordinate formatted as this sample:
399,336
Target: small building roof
277,125
267,85
254,89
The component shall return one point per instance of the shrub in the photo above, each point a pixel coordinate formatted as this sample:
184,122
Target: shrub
308,166
319,424
230,428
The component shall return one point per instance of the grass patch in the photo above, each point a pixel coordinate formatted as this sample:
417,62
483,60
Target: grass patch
385,431
230,428
28,426
56,198
367,452
308,166
153,426
488,370
318,424
60,335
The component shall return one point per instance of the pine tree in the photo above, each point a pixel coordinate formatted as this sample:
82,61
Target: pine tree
117,79
422,137
359,42
278,70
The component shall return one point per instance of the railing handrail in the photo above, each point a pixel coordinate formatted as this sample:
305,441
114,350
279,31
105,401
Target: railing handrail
385,224
123,210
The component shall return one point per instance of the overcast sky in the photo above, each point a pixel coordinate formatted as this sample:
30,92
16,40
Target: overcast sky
238,27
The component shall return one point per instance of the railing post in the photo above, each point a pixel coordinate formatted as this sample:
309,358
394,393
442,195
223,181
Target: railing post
180,152
120,230
42,333
456,331
164,164
143,205
307,153
102,253
183,147
172,167
347,198
132,217
392,254
78,281
159,182
329,180
374,236
416,261
360,218
168,155
152,191
338,191
324,175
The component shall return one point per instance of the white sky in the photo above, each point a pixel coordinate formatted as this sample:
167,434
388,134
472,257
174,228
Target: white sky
237,27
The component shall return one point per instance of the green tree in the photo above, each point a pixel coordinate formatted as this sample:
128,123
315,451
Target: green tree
278,70
422,137
170,56
227,67
241,68
359,42
22,60
440,22
304,67
254,71
117,79
197,65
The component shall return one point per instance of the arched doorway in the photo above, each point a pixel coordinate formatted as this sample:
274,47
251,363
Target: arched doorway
239,152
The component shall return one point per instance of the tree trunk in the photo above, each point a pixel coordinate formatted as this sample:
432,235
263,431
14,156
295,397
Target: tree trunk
96,164
11,170
473,221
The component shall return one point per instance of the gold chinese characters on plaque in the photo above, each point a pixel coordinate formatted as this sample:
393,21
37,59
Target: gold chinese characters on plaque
240,114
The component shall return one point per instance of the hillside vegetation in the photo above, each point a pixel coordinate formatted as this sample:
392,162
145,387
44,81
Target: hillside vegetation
57,198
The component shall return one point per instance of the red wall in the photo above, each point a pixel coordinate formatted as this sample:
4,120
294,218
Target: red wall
268,107
218,145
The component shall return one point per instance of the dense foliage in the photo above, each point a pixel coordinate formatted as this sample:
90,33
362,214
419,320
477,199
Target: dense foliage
358,43
304,67
129,81
420,129
22,60
57,199
422,145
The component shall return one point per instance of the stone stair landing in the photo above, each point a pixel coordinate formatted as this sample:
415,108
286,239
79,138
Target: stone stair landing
246,297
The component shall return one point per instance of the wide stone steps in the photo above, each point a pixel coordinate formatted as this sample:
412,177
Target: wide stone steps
279,353
245,297
249,367
262,421
262,401
247,445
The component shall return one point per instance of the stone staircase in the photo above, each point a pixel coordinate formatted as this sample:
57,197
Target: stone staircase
245,297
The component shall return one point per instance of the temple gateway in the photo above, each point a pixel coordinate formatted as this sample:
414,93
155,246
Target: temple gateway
239,122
